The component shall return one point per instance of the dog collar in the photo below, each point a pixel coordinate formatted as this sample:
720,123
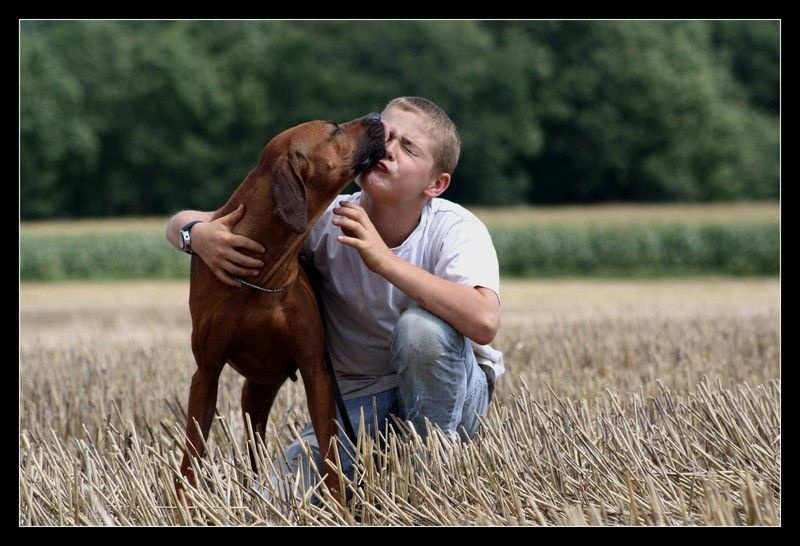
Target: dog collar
251,285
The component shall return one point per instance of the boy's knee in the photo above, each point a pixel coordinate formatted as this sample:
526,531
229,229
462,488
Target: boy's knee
422,337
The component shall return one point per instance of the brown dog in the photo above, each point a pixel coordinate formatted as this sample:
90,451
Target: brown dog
266,335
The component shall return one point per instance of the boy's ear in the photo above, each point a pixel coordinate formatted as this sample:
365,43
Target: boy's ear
438,185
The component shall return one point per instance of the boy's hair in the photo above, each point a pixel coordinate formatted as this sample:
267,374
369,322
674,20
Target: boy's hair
441,127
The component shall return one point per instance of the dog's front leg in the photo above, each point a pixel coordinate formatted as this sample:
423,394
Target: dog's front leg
322,408
257,401
202,403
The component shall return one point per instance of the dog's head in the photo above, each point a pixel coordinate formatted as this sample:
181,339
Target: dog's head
309,164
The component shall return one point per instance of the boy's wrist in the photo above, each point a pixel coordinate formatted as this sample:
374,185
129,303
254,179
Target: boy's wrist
185,236
387,265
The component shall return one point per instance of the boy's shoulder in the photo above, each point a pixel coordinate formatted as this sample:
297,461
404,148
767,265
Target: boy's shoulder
448,212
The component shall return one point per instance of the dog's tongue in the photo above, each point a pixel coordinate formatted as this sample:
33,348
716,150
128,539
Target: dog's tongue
386,131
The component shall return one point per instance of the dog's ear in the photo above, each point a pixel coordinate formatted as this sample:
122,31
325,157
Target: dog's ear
289,197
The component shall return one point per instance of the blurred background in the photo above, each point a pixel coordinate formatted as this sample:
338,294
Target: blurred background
629,174
142,118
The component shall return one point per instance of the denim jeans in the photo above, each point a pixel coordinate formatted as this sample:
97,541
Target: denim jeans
439,381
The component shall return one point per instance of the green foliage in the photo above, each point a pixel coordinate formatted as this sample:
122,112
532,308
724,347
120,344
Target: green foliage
148,117
751,50
639,250
530,251
642,111
91,256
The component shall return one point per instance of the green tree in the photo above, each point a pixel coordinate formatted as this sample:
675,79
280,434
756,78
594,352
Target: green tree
751,50
56,140
145,117
641,111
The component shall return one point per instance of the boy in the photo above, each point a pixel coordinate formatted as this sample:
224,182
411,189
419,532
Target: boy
409,284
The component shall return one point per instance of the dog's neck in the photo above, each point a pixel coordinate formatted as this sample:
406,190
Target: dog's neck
260,224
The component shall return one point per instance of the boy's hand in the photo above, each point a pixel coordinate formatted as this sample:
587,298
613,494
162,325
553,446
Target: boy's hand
219,248
359,233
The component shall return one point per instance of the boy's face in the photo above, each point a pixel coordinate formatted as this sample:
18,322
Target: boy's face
407,168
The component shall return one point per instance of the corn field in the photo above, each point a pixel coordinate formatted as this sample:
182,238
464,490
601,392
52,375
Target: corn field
642,403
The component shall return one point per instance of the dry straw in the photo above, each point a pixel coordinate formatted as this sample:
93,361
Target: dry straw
658,419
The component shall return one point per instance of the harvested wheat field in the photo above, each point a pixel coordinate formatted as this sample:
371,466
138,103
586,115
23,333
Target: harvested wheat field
624,403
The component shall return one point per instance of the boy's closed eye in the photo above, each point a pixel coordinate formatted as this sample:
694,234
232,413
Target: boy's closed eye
410,147
407,144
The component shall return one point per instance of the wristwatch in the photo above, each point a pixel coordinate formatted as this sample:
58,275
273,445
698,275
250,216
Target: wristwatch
185,237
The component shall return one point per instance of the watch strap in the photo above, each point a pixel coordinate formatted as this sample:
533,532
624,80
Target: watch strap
186,241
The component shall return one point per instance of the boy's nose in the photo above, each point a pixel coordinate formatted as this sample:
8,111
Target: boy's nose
389,147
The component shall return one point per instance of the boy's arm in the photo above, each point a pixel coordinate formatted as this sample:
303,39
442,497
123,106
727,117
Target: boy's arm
472,311
181,219
216,245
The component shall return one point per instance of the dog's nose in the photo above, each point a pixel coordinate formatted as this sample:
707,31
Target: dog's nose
373,117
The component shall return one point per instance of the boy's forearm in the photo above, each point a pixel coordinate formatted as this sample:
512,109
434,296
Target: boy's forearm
472,311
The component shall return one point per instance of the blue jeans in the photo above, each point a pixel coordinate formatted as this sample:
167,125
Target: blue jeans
440,382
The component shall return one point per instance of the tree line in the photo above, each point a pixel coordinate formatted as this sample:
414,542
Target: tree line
147,117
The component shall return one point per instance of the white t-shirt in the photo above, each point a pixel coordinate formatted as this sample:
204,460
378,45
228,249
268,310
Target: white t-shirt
361,308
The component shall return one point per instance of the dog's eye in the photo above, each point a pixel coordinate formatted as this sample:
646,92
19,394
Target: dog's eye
336,130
